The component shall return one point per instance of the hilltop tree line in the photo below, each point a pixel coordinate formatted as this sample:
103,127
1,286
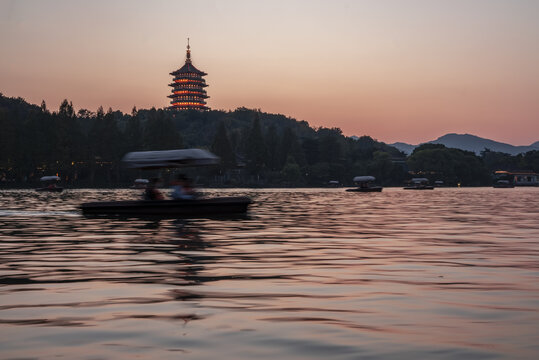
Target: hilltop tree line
85,149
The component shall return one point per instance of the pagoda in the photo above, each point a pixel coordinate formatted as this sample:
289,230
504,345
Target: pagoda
188,86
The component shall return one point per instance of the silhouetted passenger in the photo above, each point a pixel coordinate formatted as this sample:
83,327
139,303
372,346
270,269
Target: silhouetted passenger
151,192
182,188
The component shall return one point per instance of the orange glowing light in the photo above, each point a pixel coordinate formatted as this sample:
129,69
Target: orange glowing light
187,80
186,92
187,104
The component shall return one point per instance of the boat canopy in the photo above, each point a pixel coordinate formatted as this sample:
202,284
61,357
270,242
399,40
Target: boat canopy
141,181
364,179
419,180
169,158
50,178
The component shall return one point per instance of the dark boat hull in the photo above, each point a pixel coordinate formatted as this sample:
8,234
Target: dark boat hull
369,189
428,187
180,208
45,189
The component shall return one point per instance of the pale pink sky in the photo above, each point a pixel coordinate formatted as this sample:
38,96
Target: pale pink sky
395,70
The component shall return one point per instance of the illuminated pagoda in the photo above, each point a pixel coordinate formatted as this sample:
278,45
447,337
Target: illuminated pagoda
188,86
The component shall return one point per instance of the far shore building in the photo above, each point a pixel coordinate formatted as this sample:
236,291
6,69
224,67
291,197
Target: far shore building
188,87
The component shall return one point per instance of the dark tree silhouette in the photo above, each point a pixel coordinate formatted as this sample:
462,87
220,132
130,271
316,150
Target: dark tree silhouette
256,148
222,148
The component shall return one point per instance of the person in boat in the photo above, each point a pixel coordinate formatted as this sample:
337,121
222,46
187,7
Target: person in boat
151,192
182,188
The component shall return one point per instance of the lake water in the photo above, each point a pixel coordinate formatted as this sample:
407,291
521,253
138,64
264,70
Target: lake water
310,274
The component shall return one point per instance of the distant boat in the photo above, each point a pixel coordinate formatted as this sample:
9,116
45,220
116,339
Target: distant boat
364,184
518,178
334,183
438,183
419,184
503,184
182,208
51,187
140,184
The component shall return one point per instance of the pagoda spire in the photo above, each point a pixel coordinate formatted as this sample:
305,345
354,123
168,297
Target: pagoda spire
188,59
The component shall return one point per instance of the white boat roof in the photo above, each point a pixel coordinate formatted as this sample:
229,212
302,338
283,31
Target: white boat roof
420,179
169,158
50,178
364,178
142,181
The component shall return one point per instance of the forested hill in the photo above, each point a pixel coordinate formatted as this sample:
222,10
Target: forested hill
85,149
256,148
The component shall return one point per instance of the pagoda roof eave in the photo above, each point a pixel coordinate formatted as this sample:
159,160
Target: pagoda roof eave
173,96
188,68
175,73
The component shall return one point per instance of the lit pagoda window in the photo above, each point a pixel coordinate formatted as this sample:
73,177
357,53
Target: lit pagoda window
188,80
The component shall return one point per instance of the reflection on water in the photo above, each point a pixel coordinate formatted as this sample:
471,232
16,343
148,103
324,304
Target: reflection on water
449,273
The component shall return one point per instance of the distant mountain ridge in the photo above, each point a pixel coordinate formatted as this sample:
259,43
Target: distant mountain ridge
471,143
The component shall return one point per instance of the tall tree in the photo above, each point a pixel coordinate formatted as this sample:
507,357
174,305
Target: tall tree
290,147
450,165
44,106
272,142
69,140
222,148
134,139
255,148
160,132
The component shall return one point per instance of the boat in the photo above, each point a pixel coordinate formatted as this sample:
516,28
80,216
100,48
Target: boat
334,183
364,184
196,207
181,208
503,184
140,184
51,187
438,183
516,178
147,160
419,184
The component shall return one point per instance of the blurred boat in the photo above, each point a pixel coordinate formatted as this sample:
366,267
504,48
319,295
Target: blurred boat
183,208
419,184
364,184
148,160
51,187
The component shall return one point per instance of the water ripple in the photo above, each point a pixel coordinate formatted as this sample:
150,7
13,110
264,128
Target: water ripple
310,273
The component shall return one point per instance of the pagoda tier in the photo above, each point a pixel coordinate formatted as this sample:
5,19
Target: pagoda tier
188,87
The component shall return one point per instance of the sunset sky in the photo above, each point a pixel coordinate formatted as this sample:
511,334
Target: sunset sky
395,70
